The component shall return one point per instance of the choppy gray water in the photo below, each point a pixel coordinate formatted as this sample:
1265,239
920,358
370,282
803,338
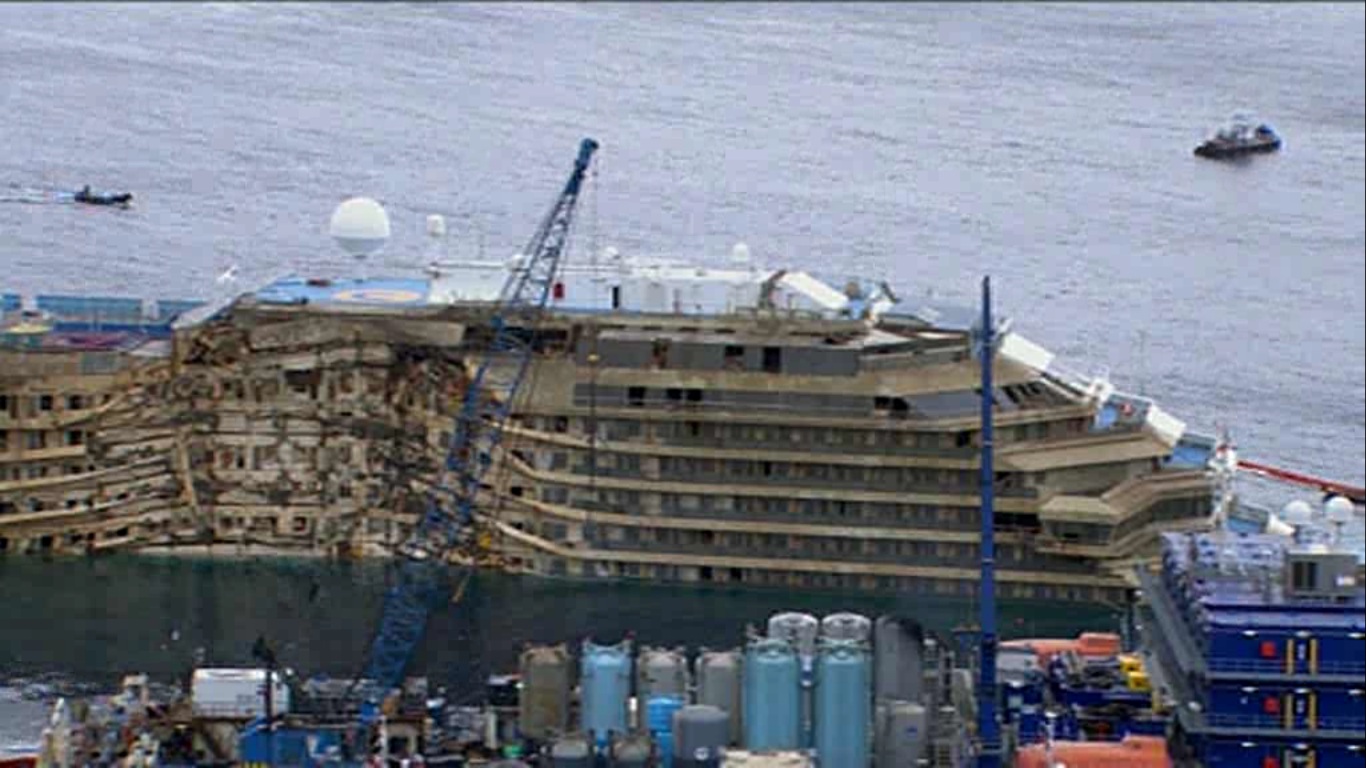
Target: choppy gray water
1047,145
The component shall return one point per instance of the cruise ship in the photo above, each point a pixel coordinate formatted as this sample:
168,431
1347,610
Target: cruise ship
729,423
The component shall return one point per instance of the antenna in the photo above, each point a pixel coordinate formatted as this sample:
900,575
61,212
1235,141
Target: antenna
436,240
1143,362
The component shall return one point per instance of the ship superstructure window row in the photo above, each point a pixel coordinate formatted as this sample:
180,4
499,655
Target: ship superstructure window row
954,404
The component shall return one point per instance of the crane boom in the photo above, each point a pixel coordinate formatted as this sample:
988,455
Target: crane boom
477,429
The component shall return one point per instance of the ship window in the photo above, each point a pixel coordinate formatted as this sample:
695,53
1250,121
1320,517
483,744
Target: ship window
74,402
735,358
962,439
1304,575
673,395
660,353
4,440
45,402
773,359
694,395
4,403
635,396
37,440
75,437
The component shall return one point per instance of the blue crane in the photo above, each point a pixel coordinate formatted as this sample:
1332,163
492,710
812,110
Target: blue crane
445,525
988,729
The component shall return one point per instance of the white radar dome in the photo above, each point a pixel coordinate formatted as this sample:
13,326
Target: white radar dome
360,226
436,225
1338,509
739,255
1297,512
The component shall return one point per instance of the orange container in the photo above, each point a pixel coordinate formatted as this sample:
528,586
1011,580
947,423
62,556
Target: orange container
1131,752
1092,644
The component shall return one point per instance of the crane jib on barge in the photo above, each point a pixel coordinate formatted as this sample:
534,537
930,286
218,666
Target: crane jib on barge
1356,494
422,581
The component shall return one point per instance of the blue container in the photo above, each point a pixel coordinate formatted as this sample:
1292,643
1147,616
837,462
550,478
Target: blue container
606,690
1031,725
771,697
659,719
844,714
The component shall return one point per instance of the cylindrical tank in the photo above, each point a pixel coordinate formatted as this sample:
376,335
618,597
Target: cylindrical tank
800,629
718,684
571,752
606,689
847,626
700,733
843,722
772,696
898,659
902,733
543,707
661,672
631,751
659,718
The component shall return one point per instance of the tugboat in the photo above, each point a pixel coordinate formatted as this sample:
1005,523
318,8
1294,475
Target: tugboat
86,196
1239,138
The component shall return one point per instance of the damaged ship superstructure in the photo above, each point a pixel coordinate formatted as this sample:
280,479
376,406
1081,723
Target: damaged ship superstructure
732,425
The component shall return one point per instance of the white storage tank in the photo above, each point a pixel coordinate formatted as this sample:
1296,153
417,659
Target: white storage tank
236,693
901,734
784,759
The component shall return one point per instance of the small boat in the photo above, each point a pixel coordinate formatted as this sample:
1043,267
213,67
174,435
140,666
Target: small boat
1239,138
88,197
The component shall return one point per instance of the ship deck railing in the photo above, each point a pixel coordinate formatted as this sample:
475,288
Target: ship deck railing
1277,722
1277,666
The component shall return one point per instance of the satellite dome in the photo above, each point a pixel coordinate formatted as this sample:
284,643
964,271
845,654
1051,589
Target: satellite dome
1297,512
436,225
740,255
360,226
1338,509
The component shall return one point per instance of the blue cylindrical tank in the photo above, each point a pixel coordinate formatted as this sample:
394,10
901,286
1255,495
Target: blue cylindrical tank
606,689
659,718
772,696
843,703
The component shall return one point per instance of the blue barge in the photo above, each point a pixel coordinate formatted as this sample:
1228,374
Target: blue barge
1260,641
